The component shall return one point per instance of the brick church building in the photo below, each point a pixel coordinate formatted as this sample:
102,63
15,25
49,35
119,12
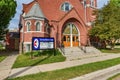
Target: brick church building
67,21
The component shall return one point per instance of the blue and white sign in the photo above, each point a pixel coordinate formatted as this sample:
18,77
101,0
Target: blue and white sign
39,43
35,44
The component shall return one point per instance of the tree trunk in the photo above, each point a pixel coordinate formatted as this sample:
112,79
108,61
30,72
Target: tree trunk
112,44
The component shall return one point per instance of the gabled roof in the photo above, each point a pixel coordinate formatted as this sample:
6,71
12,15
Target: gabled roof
53,10
76,16
35,11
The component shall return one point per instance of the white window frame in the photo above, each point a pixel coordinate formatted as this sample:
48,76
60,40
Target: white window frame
47,27
26,24
27,46
40,27
63,6
92,3
84,3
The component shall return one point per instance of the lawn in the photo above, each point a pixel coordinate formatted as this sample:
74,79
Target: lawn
2,58
68,73
116,77
44,57
107,50
1,47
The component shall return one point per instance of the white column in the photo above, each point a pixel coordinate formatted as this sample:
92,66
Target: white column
71,40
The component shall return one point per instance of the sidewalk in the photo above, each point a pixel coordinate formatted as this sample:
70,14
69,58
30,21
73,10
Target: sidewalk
103,74
6,65
61,65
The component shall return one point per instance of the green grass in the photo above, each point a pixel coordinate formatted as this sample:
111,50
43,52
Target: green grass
44,57
68,73
2,58
1,47
116,50
114,77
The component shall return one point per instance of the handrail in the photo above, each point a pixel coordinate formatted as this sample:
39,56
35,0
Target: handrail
83,48
62,49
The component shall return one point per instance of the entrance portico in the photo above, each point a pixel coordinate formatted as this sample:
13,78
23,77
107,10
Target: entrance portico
71,35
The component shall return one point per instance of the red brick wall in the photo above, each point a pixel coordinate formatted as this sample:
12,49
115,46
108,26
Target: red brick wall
58,18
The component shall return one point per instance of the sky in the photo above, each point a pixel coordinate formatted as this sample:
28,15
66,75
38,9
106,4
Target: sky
15,21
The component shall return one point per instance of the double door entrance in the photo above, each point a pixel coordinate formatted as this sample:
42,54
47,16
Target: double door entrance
70,36
70,41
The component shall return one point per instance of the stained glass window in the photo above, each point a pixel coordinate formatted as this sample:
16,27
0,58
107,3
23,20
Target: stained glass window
67,29
74,29
70,27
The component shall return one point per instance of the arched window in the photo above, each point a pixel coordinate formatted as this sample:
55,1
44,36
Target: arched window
70,29
47,28
66,6
92,3
28,24
38,26
84,3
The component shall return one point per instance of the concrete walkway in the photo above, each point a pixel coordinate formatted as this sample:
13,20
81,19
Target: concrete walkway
6,65
103,74
61,65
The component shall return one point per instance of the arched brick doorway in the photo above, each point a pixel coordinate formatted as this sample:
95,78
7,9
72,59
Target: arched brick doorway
70,35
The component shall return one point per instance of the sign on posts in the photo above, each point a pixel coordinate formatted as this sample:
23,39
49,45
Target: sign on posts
42,43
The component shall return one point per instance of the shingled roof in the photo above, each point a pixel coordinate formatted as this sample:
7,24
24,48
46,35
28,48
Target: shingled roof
35,11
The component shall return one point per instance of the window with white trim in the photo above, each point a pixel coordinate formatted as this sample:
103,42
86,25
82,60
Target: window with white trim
38,26
66,6
28,47
47,28
28,24
84,3
92,3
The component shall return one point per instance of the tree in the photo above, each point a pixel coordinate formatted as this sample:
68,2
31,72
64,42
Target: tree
115,2
7,11
107,25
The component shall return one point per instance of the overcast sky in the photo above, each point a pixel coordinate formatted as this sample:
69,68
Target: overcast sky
14,22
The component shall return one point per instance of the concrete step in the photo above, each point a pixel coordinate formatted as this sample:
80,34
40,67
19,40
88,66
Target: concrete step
92,50
74,53
72,49
83,56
